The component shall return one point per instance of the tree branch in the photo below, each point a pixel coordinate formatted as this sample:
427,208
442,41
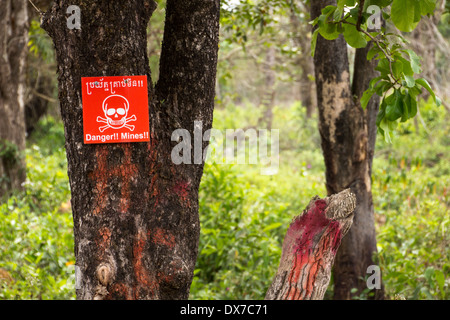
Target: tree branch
188,57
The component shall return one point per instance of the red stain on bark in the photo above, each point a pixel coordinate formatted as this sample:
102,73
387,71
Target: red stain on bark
119,291
145,283
181,189
104,242
130,171
127,171
162,237
99,176
318,234
312,223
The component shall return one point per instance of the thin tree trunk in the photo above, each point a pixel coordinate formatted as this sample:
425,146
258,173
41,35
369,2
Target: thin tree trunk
348,137
268,96
13,53
135,212
357,249
39,82
305,62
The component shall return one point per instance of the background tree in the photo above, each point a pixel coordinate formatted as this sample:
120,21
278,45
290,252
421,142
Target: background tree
41,85
349,112
135,212
13,53
344,129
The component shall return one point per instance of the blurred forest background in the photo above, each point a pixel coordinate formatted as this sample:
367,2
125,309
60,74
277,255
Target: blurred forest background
265,80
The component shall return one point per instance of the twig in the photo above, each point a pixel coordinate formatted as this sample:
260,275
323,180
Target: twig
358,23
42,96
37,9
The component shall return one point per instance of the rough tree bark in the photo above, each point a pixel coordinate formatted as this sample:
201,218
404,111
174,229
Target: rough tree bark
135,213
13,53
348,138
310,246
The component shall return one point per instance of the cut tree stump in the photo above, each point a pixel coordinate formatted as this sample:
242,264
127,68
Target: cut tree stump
310,246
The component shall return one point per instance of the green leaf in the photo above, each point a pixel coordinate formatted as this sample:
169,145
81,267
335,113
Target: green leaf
424,83
329,31
410,107
374,81
427,7
429,272
406,66
380,3
415,61
440,279
353,37
384,125
394,108
383,67
373,52
397,68
366,97
410,82
381,113
382,87
272,226
314,42
348,3
326,29
403,14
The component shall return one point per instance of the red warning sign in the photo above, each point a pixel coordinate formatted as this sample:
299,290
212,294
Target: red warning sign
115,109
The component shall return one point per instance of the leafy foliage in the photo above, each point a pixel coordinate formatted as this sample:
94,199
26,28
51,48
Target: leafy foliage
40,43
244,216
397,84
36,237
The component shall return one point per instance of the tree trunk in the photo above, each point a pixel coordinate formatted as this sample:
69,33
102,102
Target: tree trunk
39,82
310,246
268,96
348,139
13,54
135,212
307,87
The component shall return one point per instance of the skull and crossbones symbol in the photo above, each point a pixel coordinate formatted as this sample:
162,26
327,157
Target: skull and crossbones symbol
116,109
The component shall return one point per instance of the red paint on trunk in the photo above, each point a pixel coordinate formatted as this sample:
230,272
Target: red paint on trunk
119,291
127,171
162,237
104,242
312,233
145,282
312,223
99,176
181,189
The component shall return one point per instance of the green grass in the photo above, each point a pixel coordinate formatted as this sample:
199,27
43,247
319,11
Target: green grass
36,240
244,215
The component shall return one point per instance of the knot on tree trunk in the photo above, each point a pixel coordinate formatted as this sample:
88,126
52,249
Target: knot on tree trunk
310,246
